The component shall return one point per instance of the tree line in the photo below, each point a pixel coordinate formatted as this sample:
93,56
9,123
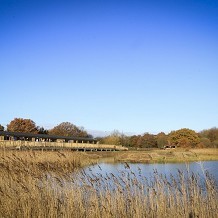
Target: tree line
184,137
29,126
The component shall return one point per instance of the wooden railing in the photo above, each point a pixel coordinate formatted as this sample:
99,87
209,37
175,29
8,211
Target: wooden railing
60,145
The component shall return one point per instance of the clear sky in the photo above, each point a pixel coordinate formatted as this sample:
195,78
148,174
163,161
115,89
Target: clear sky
134,66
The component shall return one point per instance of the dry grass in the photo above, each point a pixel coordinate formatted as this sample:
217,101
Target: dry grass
169,156
36,162
34,184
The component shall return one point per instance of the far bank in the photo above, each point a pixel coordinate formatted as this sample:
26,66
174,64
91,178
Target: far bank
157,155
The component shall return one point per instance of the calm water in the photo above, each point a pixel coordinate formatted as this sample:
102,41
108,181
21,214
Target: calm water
148,169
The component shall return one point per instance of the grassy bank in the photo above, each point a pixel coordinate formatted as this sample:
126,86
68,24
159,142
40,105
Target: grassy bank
45,184
159,156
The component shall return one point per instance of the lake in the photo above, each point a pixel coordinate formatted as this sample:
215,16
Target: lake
147,170
143,190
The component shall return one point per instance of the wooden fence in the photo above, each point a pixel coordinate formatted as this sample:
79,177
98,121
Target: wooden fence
59,145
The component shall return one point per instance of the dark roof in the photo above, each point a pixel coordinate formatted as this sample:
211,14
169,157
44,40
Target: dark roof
44,136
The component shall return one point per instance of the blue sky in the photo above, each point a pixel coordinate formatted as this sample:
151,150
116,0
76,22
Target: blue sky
135,66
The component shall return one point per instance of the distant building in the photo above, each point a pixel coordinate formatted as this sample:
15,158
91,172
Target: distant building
15,136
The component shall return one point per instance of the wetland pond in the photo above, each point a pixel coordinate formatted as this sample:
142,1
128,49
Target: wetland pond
147,170
112,176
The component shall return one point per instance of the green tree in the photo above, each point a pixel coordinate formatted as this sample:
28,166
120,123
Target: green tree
149,140
41,130
140,142
161,140
133,141
115,138
2,128
205,142
215,144
22,125
184,138
210,134
146,141
68,129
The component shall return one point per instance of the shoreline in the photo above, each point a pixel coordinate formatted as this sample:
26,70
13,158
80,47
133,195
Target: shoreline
157,156
147,156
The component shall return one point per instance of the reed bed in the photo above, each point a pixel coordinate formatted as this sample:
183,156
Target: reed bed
38,162
64,190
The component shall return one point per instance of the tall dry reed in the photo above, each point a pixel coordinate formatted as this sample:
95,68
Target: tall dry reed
37,190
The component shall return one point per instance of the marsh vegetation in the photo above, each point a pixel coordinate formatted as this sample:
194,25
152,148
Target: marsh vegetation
53,184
